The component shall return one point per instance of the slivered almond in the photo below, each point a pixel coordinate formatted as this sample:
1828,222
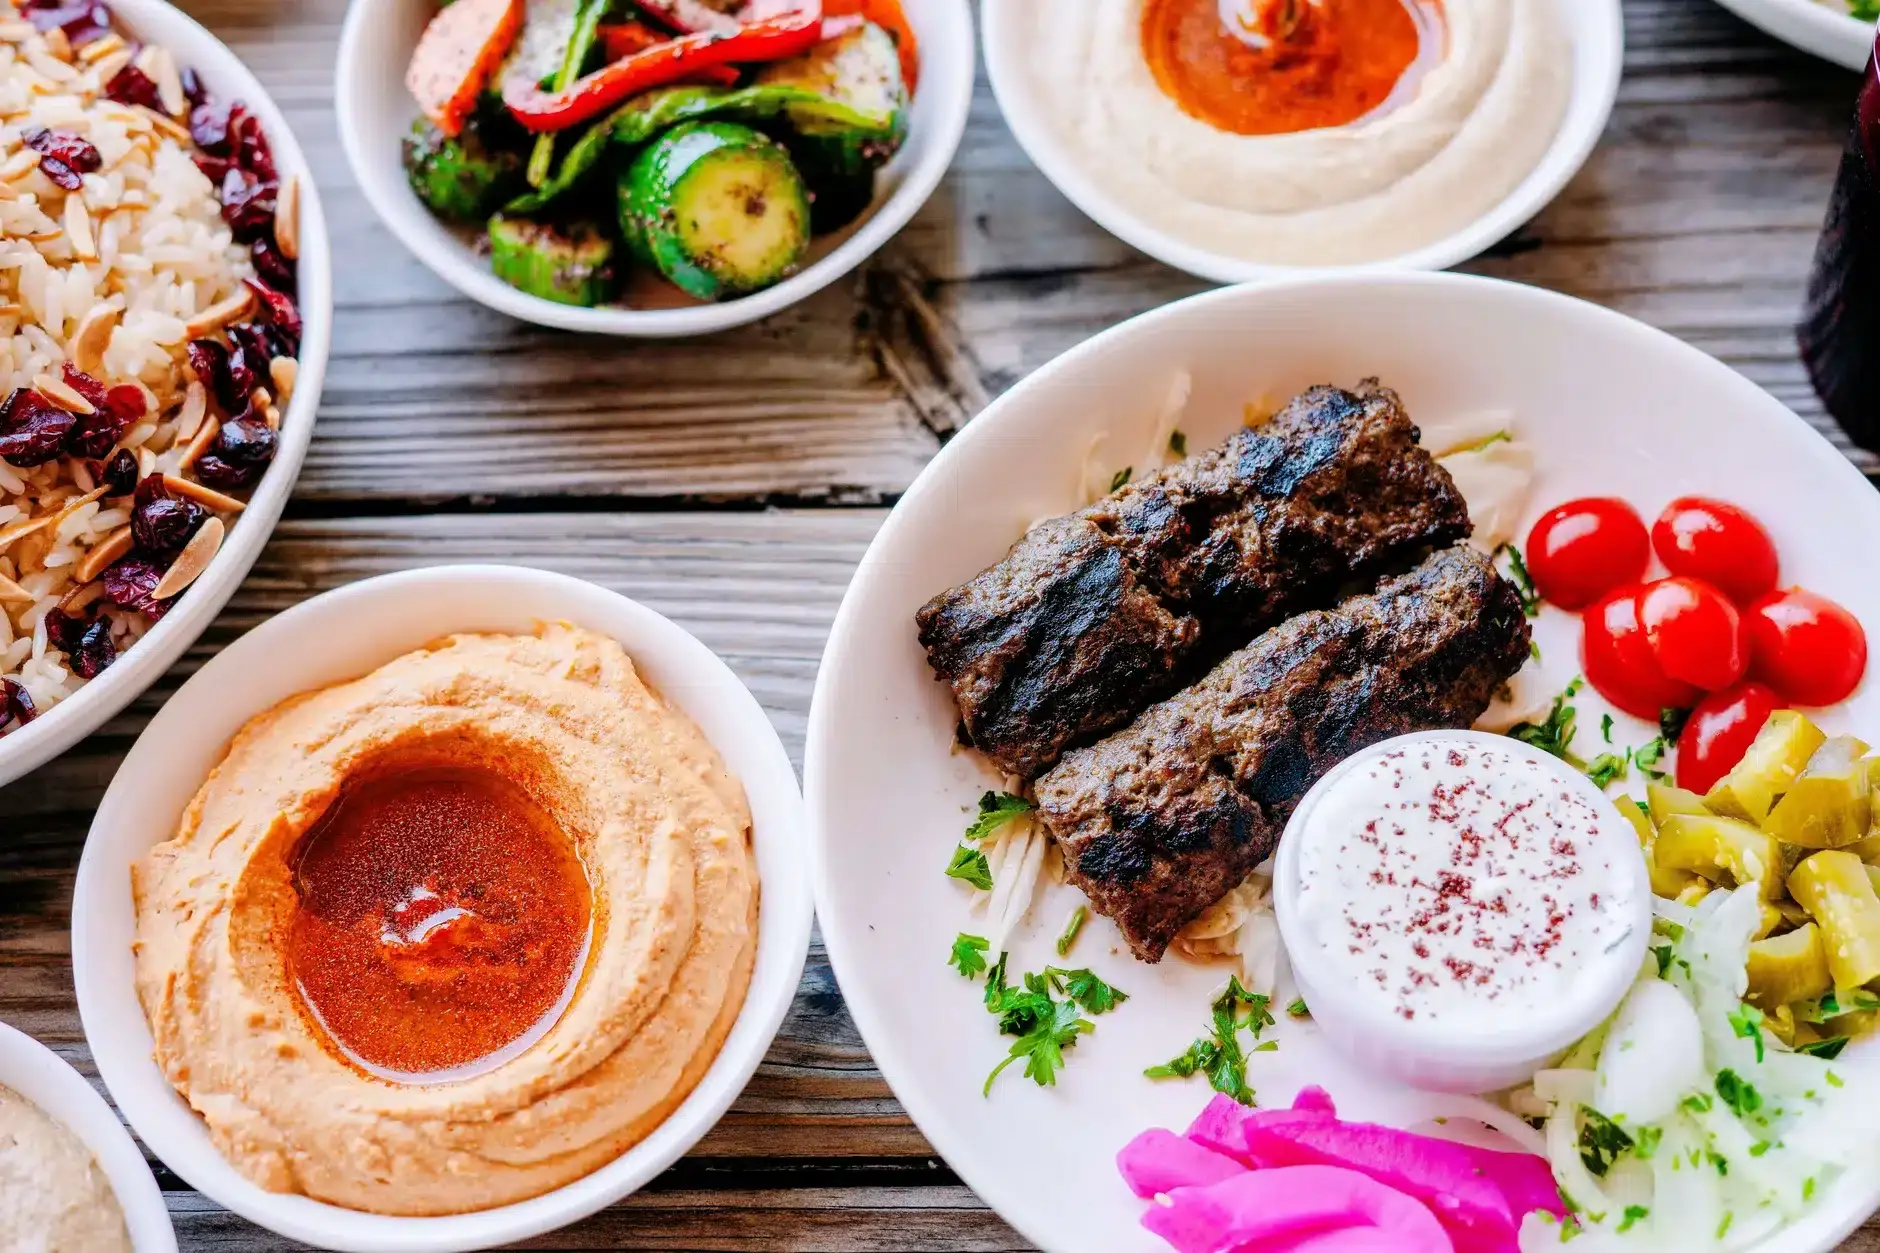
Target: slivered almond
284,372
81,596
161,66
92,337
9,590
98,49
78,229
102,554
109,67
57,44
195,408
271,414
217,316
287,218
19,164
61,393
205,496
169,126
192,561
146,463
199,443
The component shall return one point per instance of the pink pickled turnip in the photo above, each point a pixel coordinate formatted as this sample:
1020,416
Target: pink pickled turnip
1290,1207
1222,1126
1161,1161
1525,1179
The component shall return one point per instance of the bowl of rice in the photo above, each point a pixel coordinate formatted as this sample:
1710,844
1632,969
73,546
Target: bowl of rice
165,312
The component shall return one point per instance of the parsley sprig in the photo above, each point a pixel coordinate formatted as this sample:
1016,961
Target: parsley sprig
1555,734
1522,580
995,810
1043,1026
969,954
1218,1054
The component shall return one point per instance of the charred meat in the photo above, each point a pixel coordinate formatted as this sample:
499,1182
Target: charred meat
1161,820
1093,617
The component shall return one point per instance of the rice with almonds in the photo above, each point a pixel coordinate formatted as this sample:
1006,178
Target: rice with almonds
114,278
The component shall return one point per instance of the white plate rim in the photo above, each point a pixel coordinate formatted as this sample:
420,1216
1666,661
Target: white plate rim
1814,28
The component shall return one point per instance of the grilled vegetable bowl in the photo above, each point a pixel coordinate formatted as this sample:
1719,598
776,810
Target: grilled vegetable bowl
604,159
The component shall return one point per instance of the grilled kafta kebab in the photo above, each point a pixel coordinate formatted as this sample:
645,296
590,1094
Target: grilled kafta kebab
1093,617
1161,820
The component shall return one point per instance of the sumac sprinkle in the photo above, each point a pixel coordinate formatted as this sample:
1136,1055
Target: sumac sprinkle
32,429
132,86
119,475
95,651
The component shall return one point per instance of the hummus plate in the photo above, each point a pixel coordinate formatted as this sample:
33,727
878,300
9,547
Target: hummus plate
323,637
1609,407
1196,238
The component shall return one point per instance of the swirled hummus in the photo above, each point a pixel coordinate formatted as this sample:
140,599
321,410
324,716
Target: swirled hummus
54,1198
1472,113
454,934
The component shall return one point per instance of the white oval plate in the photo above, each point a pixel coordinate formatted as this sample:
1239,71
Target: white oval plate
42,1077
69,721
1816,28
341,635
1598,33
1612,407
376,112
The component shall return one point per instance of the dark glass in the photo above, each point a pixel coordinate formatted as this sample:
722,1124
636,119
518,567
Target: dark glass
1840,330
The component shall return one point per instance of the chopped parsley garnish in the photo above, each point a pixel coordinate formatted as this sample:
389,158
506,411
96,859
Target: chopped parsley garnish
1645,1142
1671,724
1045,1026
1697,1103
1120,478
1647,757
1042,1044
1818,1011
1086,989
1605,727
1555,735
1738,1093
1605,768
1298,1008
1725,1224
1826,1050
1633,1214
971,865
995,810
1218,1054
1071,928
1522,580
1601,1141
1662,952
969,954
1746,1021
1178,443
1864,10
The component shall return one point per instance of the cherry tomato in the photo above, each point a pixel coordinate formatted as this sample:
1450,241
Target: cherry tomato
1619,660
1719,732
1806,647
1718,542
1695,632
1583,549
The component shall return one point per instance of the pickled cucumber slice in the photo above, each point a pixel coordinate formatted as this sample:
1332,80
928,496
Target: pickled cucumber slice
1790,967
1722,850
1834,887
1667,883
1666,800
1831,804
1774,761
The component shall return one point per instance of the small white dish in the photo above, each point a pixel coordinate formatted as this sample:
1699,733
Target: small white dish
1608,405
69,721
1598,33
338,636
38,1074
1451,1055
1813,27
376,113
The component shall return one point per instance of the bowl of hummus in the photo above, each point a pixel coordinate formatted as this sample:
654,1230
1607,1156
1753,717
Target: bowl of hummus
1245,139
71,1178
442,910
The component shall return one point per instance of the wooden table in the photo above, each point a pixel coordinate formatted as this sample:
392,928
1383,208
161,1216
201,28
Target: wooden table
733,482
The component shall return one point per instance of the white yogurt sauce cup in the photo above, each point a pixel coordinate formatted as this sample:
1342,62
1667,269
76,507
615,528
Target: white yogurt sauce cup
1459,908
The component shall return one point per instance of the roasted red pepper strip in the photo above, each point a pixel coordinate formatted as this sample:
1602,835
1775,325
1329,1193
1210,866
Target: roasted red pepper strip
771,40
625,39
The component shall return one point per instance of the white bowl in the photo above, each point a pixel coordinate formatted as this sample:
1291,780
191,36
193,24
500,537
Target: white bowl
376,112
1609,405
37,1073
341,635
69,721
1816,28
1598,32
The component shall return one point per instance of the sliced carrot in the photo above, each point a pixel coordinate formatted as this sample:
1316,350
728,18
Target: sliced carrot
456,55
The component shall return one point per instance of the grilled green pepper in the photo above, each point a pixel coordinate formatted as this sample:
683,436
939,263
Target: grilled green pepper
1833,887
461,179
573,267
1776,758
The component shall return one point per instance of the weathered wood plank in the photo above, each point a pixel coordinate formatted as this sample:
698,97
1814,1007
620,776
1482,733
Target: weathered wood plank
1698,214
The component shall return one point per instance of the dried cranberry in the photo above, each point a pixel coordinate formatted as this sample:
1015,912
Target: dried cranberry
95,651
84,384
208,358
132,86
82,20
240,454
162,526
129,583
209,127
215,169
32,428
225,370
120,473
250,143
63,157
256,340
280,310
16,706
63,630
193,89
248,203
274,269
